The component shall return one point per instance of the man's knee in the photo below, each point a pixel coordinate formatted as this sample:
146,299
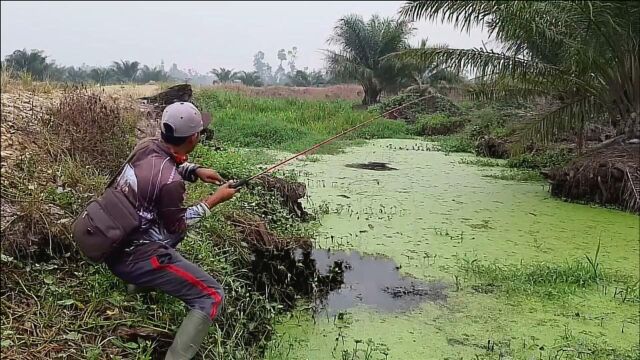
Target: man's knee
210,302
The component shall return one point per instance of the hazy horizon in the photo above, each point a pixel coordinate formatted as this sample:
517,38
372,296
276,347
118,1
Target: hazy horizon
194,35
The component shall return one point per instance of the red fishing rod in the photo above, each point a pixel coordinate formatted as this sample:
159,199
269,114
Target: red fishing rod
244,182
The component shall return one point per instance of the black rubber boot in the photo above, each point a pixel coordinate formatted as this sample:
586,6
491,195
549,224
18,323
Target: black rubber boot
190,335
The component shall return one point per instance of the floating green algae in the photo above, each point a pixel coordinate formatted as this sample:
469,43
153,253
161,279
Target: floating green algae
435,213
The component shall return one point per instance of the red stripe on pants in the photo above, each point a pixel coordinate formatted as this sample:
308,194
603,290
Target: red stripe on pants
193,281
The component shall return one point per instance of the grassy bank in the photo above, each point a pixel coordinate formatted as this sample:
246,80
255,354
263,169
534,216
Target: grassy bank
289,124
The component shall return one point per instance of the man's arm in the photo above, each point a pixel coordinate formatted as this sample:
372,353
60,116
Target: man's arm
175,217
192,172
172,214
188,171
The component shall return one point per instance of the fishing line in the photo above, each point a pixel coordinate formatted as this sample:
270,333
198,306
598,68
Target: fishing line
244,182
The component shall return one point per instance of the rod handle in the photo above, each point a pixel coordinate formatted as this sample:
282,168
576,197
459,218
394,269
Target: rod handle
239,184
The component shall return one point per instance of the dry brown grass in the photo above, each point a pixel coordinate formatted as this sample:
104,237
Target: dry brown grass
349,92
12,82
90,128
132,91
60,150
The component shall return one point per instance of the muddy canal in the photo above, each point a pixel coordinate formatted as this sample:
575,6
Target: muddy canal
422,226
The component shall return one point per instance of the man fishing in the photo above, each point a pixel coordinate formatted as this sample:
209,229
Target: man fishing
154,178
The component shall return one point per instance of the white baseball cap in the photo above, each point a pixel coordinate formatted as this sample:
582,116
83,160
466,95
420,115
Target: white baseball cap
184,119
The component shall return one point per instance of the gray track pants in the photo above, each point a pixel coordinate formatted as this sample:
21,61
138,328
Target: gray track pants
162,267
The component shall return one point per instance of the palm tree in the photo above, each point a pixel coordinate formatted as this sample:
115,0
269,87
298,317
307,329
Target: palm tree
429,73
224,75
76,75
300,79
125,70
33,62
250,78
362,46
101,76
583,54
148,74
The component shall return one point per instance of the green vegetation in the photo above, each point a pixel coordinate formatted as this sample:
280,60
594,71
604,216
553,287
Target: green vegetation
516,175
452,143
361,47
38,67
493,120
437,124
580,59
224,75
587,61
538,161
289,124
413,109
249,78
550,280
481,162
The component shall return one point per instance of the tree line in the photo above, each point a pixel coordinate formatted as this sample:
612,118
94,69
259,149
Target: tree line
38,66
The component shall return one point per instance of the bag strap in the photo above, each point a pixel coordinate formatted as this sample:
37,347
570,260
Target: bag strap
143,143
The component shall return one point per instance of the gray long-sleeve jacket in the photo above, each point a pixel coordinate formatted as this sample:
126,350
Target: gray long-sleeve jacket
155,183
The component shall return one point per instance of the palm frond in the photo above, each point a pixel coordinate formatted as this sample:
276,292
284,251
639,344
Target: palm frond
463,14
570,115
507,88
485,63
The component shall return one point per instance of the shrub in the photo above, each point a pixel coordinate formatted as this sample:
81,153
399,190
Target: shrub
91,128
432,104
437,124
538,161
484,121
452,143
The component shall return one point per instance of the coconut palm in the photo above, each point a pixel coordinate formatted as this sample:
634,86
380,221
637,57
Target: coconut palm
224,75
582,54
249,78
362,46
125,70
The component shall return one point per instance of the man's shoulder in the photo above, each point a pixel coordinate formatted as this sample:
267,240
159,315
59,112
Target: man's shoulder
145,143
151,161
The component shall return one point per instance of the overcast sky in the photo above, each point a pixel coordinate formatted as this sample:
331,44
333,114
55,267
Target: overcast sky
196,35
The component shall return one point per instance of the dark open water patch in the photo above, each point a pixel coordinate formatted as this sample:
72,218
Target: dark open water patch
372,281
377,166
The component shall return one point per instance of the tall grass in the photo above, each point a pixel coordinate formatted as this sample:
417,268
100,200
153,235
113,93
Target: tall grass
289,124
550,280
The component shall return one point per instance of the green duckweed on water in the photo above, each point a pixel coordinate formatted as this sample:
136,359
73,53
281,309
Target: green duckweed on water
523,279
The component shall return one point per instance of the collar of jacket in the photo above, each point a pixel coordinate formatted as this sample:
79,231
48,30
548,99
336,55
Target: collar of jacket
178,158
